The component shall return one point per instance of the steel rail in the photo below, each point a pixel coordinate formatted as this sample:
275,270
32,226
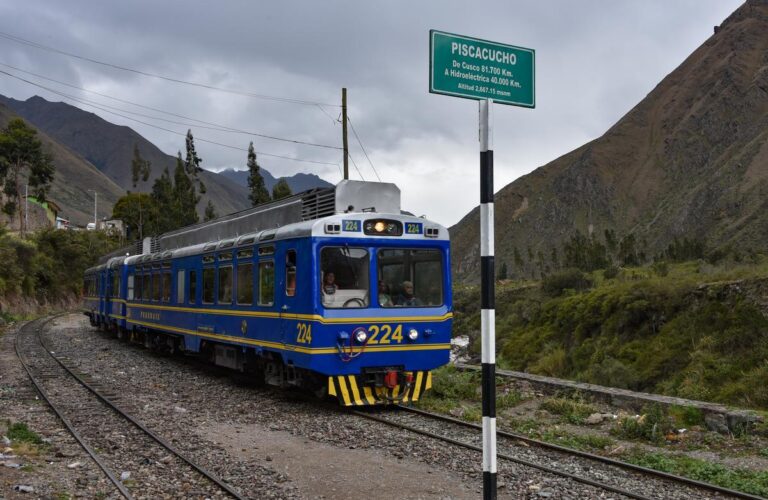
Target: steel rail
526,463
118,484
600,458
590,456
209,475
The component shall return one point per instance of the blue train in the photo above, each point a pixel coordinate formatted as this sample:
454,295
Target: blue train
335,290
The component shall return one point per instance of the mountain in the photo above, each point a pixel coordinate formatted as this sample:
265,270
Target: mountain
689,161
298,182
74,180
109,147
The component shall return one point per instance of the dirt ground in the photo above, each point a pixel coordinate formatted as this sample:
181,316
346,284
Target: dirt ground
320,470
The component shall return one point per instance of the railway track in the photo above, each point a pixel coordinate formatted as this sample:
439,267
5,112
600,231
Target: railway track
123,447
621,478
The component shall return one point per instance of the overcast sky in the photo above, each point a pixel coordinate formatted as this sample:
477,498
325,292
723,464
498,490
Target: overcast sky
595,59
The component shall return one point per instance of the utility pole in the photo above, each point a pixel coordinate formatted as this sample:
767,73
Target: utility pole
26,207
344,131
95,205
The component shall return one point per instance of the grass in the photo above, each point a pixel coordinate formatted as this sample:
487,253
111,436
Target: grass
25,441
582,442
19,432
748,481
651,426
686,416
572,411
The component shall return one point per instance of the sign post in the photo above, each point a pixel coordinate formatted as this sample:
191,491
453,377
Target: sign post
489,72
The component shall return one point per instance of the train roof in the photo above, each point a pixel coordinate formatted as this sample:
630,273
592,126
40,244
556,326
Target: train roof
337,212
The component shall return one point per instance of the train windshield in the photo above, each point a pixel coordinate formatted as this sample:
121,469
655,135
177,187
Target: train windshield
344,277
410,278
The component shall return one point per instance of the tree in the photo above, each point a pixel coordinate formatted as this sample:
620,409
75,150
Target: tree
140,168
281,190
502,271
192,162
210,212
259,193
21,154
184,197
138,212
162,196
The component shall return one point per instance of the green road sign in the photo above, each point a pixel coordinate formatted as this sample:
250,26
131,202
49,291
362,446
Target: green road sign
478,69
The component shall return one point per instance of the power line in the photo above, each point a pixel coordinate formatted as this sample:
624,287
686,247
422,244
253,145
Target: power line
212,126
158,127
40,46
363,148
355,164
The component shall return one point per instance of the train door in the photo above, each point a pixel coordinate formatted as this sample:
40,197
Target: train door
286,295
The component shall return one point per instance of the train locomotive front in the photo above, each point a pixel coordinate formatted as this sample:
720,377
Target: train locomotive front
355,304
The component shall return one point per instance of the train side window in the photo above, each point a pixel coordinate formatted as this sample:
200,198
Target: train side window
131,284
266,283
225,285
167,286
290,273
245,283
116,290
180,286
156,287
209,275
192,287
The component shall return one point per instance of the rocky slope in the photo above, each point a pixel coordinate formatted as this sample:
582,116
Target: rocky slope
690,160
109,147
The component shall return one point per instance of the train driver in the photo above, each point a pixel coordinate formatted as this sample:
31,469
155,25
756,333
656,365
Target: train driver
329,283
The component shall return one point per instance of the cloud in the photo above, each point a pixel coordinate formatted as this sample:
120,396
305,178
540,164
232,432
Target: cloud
595,60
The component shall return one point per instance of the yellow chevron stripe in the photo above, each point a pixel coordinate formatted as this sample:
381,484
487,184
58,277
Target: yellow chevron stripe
331,387
355,391
344,392
417,386
429,381
369,395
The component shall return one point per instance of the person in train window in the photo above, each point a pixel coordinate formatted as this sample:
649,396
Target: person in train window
385,299
329,283
406,297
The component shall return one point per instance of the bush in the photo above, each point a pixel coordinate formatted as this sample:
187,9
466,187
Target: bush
610,272
572,411
557,283
652,425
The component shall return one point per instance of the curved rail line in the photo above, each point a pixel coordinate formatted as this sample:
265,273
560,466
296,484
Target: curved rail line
38,328
503,456
591,456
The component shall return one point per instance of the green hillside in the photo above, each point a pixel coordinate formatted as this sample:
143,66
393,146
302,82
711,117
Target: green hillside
695,329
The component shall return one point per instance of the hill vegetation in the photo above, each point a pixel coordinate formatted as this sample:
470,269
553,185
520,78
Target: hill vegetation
45,270
696,329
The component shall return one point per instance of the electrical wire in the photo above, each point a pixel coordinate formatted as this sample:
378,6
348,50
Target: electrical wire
61,94
40,46
355,164
362,147
206,124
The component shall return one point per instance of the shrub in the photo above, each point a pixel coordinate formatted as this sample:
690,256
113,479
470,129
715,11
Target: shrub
651,426
573,411
557,283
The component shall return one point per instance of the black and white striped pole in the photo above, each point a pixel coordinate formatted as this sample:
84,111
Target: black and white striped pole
487,302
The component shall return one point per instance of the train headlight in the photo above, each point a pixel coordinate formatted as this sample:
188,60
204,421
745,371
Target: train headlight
413,334
379,227
361,336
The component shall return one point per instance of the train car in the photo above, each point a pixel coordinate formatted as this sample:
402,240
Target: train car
349,302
